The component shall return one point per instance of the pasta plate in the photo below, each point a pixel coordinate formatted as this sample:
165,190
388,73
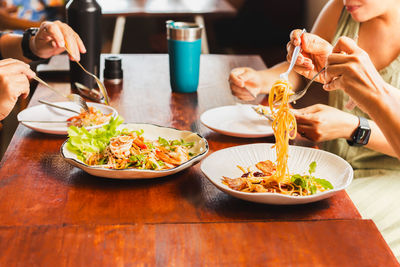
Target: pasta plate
329,166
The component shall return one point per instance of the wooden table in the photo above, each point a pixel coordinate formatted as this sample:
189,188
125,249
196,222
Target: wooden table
165,8
54,214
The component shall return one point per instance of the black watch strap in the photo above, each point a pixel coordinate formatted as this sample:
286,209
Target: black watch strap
26,49
361,135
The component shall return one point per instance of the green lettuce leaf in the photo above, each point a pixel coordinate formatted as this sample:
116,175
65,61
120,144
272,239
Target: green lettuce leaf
299,180
309,182
312,167
324,183
82,141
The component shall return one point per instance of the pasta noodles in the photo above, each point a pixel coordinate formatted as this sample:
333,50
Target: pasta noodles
283,125
274,177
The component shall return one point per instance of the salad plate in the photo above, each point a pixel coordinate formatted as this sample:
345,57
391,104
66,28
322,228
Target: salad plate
150,132
49,116
328,166
238,121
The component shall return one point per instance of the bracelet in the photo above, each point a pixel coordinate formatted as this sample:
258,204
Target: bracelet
26,49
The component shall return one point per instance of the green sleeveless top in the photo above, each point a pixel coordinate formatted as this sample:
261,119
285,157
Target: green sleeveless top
365,162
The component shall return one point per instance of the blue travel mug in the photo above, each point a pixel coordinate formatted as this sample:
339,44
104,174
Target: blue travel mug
184,49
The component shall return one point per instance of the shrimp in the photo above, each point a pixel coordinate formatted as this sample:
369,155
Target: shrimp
176,157
139,142
235,183
267,167
120,146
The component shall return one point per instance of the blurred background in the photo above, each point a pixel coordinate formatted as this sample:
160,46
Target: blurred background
234,27
258,27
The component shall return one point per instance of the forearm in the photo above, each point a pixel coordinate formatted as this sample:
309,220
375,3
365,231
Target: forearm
377,140
382,103
270,75
386,112
9,22
392,133
10,47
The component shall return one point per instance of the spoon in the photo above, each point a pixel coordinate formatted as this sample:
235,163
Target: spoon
101,86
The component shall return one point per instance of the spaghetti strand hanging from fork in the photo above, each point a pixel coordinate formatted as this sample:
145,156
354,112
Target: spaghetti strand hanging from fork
284,126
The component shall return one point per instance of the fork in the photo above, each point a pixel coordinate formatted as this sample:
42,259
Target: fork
99,83
57,106
71,97
260,111
296,52
299,94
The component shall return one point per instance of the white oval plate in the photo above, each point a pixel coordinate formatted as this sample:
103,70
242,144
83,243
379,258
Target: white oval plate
329,166
46,113
151,132
238,121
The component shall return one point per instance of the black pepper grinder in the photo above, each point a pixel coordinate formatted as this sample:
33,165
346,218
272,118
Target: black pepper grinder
113,70
84,17
113,75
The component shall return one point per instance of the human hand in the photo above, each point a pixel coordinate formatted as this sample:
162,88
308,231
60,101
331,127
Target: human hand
245,83
313,55
14,81
320,123
350,68
51,38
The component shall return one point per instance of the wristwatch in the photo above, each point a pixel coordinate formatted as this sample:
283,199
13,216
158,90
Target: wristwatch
361,135
26,49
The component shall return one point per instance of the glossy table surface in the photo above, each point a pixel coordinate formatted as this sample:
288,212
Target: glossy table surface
165,7
52,212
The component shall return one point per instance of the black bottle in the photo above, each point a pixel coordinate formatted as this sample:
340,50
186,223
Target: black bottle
84,17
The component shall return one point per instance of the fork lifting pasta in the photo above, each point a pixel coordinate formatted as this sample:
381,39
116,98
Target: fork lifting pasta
275,178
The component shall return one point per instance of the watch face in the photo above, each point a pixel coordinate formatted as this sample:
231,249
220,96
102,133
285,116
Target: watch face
33,31
362,135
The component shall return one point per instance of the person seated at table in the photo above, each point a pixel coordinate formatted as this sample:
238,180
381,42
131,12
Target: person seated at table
374,24
371,93
35,44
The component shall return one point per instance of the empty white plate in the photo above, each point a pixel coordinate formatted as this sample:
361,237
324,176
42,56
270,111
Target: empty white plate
46,113
238,121
329,166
